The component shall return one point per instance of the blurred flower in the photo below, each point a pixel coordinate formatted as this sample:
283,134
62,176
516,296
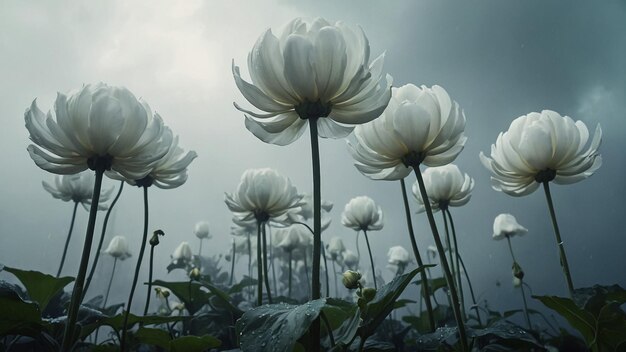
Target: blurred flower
241,245
263,194
350,279
312,70
118,248
162,293
398,256
517,282
336,248
542,147
350,259
505,225
77,188
305,212
431,251
361,213
201,230
182,252
291,238
445,186
98,124
420,125
195,274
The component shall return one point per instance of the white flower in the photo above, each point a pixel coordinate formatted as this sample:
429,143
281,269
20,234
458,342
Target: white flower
445,186
505,225
241,245
97,126
77,188
305,212
420,125
541,147
182,252
517,282
361,213
291,238
336,248
118,248
350,259
201,230
398,256
312,70
263,194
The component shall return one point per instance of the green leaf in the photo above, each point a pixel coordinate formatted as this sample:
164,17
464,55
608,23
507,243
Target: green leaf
194,343
39,286
276,327
224,297
580,319
611,327
343,318
433,284
152,336
443,316
190,293
17,316
383,303
245,282
116,322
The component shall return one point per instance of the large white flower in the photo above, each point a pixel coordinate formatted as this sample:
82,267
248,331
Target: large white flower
361,213
420,125
505,225
118,248
97,124
263,194
445,186
77,188
314,69
541,147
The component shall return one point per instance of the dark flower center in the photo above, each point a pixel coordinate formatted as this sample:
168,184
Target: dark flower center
313,110
144,182
261,215
412,159
546,175
100,162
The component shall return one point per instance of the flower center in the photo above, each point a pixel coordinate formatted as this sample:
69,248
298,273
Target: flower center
313,110
412,159
144,182
546,175
261,216
100,162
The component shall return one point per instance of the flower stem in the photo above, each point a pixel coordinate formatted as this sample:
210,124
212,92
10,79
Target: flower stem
259,266
144,240
457,256
369,250
471,288
336,284
456,308
317,227
266,277
272,261
67,240
290,261
559,241
145,309
358,250
232,266
200,250
102,233
106,297
326,271
418,258
508,239
77,292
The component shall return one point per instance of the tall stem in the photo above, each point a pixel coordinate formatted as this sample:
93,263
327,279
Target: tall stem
456,308
232,265
508,239
142,249
106,297
457,256
265,267
369,250
67,239
336,284
317,229
102,234
306,270
471,288
251,290
418,258
200,250
326,271
290,261
147,306
259,266
272,261
77,292
358,250
559,241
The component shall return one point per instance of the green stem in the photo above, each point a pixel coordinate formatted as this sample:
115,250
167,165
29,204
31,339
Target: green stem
471,288
232,265
290,261
266,277
102,234
326,271
151,269
259,266
77,292
317,229
358,250
418,258
106,297
142,249
336,284
456,308
200,250
457,256
306,270
508,239
559,241
272,261
67,239
369,250
251,290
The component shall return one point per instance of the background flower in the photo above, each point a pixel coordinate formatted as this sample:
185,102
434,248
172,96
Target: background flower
201,229
118,248
420,125
361,213
77,188
313,69
445,186
506,225
542,147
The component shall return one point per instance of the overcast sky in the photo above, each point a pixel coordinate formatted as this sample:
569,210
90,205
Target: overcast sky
497,59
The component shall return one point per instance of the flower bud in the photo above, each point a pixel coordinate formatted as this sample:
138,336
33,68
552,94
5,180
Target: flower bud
194,274
369,293
517,271
351,279
155,237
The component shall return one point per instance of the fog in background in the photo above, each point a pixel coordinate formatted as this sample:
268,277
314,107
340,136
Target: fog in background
497,59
